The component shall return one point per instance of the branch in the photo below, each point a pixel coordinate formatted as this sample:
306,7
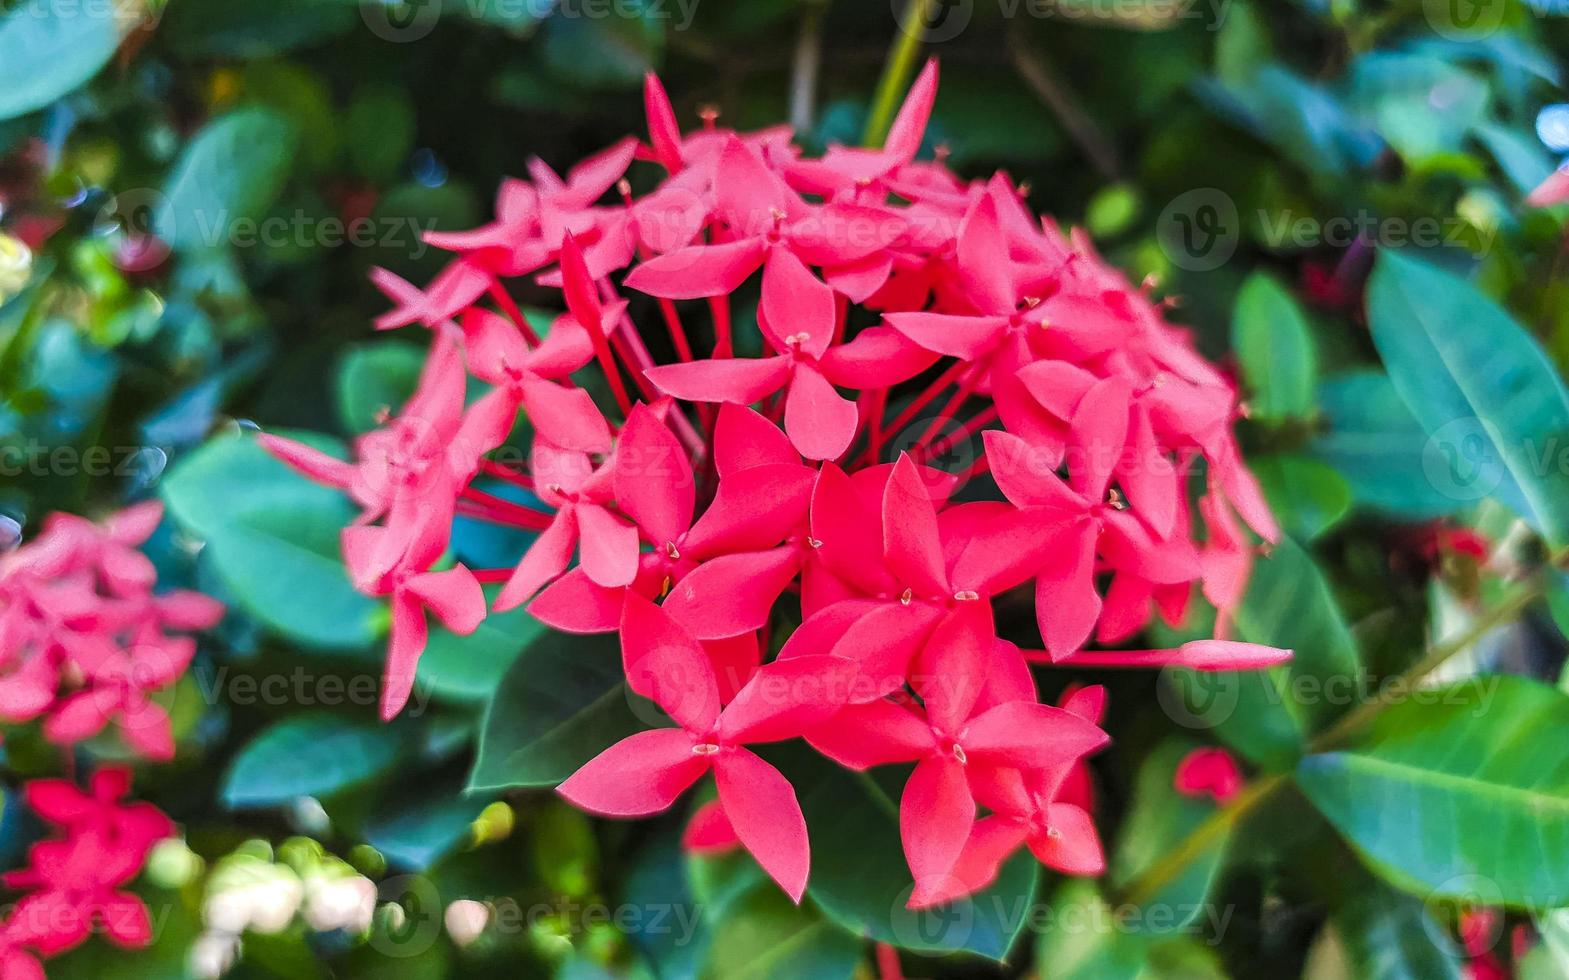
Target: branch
1064,104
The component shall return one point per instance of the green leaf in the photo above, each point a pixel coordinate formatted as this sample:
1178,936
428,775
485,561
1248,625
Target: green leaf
861,881
1101,949
1088,939
1308,496
379,130
1375,442
226,178
1289,604
1157,820
272,537
49,49
226,29
1423,106
1265,715
1275,348
562,702
374,379
765,937
470,668
308,755
1459,791
1379,934
1492,404
420,828
301,97
606,52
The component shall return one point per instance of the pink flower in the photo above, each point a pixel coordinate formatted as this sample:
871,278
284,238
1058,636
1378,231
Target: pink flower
1211,772
902,311
84,639
646,772
76,882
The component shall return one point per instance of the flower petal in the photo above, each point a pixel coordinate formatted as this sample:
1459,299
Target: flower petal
665,664
766,815
732,594
738,381
936,813
820,421
637,776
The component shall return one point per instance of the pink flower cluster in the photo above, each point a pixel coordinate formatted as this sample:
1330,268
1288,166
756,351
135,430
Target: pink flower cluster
76,881
903,311
84,639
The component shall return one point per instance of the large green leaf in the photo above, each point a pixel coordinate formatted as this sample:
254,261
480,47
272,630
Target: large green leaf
224,181
1158,819
1459,791
1289,604
1275,349
562,702
309,755
1375,442
422,824
1492,404
272,536
765,937
375,379
1265,715
49,49
1086,938
1307,495
860,879
470,668
605,52
226,29
1375,933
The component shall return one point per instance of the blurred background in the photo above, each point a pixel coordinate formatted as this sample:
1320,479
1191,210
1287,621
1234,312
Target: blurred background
1248,157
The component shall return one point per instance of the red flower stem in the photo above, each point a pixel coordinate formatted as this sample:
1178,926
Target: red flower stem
888,963
960,395
879,409
629,344
607,364
507,473
510,308
952,439
723,345
492,576
478,503
925,398
667,308
981,465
